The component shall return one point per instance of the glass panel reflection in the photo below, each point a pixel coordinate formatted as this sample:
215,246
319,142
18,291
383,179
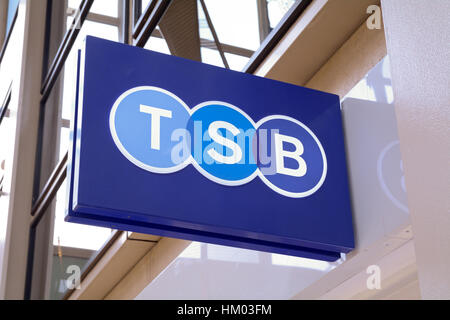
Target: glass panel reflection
207,271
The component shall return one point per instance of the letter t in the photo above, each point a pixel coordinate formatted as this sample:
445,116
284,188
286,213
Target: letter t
156,114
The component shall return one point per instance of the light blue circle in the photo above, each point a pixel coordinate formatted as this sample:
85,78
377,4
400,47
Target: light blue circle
131,128
201,143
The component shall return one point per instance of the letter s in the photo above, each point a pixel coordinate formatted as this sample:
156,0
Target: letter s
214,134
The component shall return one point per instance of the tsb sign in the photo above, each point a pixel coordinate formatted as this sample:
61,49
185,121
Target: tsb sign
176,148
158,132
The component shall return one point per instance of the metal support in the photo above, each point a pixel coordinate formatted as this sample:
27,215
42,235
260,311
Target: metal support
124,17
263,20
137,10
140,17
210,44
150,19
214,34
179,28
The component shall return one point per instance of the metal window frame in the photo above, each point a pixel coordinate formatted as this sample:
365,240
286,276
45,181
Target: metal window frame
140,16
124,21
65,47
49,79
27,31
263,19
137,11
148,21
5,103
96,17
121,22
8,35
102,18
267,45
3,114
214,34
140,21
276,35
148,26
210,44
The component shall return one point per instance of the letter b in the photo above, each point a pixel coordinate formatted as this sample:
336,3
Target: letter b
295,155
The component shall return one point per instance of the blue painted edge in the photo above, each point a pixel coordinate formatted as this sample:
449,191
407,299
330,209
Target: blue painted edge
208,237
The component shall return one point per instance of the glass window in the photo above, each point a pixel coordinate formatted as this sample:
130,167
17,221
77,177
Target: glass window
6,145
237,25
75,235
145,4
235,61
157,44
211,56
89,28
63,260
104,7
74,244
68,234
242,30
12,8
277,9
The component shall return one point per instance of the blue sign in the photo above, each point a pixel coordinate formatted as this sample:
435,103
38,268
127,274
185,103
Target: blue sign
176,148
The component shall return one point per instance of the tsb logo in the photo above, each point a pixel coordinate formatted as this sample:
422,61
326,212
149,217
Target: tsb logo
158,132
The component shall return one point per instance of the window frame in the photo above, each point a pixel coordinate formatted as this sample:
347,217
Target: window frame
8,32
43,199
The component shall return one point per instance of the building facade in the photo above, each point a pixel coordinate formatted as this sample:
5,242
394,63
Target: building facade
387,61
